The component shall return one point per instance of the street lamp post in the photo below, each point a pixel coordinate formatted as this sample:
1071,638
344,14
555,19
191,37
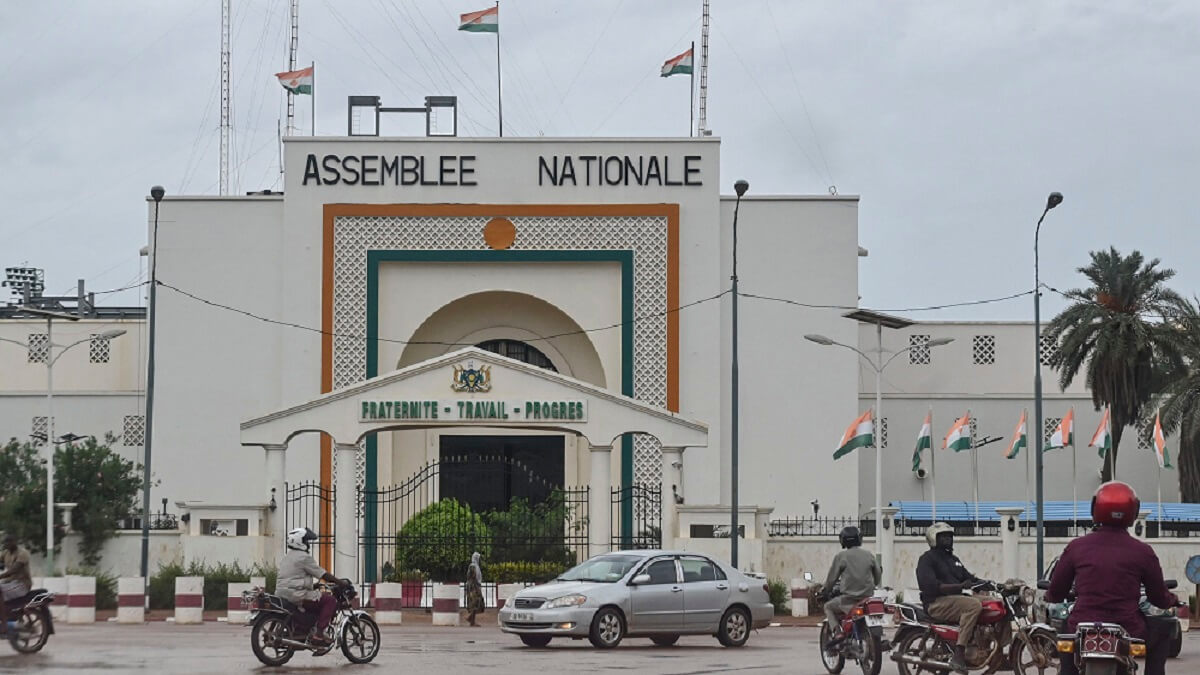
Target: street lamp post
740,188
51,359
878,365
1052,201
156,193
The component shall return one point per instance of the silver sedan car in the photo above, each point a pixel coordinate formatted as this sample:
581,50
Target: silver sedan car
655,594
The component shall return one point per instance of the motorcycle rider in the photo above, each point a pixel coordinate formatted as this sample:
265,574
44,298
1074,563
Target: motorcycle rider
942,580
15,581
859,574
295,582
1108,568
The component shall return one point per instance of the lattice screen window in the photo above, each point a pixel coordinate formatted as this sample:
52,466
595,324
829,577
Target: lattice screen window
983,349
98,349
39,347
1047,350
134,431
1049,425
881,433
1145,434
918,354
38,429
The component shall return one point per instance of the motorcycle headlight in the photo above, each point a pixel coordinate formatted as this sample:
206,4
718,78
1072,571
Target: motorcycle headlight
1028,595
566,601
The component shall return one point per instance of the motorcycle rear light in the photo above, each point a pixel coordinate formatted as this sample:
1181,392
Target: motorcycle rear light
857,611
1066,646
1137,649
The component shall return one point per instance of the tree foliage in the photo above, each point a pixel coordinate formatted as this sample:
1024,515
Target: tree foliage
440,539
1180,401
103,485
1115,332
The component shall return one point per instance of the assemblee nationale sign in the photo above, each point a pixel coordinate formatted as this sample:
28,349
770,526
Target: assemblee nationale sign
472,410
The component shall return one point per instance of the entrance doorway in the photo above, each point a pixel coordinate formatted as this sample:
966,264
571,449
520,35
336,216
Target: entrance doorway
488,472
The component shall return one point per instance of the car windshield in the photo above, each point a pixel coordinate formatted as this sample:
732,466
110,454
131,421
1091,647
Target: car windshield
606,569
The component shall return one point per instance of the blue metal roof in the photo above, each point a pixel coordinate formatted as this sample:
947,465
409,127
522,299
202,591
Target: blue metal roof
1052,511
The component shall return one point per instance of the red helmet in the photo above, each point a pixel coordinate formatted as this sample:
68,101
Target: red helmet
1115,503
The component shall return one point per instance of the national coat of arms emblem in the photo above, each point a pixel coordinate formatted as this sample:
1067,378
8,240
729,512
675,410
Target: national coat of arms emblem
472,380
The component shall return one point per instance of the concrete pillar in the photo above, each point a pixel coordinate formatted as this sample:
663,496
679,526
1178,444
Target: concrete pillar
189,600
131,600
799,597
57,586
345,559
887,545
672,472
600,500
445,604
388,601
235,612
277,489
81,599
1010,540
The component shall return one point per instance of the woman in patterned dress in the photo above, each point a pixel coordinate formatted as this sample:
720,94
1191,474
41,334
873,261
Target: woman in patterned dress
474,589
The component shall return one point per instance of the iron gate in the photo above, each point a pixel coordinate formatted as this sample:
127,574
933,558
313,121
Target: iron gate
404,538
642,529
309,504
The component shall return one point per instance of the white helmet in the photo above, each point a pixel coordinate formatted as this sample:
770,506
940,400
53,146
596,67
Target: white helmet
934,530
300,538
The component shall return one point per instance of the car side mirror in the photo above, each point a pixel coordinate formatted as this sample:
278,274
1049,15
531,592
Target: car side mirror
1171,583
808,576
640,580
1043,584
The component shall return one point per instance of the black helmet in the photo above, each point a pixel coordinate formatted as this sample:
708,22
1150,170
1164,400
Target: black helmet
850,537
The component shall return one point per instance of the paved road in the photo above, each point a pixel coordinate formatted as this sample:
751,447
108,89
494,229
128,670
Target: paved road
218,648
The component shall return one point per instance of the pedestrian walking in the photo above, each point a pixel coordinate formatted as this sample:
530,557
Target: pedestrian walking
474,589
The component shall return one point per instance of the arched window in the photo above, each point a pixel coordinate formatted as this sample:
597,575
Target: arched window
521,351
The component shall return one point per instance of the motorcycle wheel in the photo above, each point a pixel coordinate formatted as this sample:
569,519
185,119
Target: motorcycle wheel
267,628
360,639
1039,657
1176,644
832,662
871,650
914,644
32,632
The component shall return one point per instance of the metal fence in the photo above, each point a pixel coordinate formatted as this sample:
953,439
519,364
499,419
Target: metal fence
909,527
309,504
158,521
644,528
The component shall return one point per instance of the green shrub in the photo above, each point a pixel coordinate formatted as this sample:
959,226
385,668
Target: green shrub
106,586
523,572
780,594
440,540
216,582
534,532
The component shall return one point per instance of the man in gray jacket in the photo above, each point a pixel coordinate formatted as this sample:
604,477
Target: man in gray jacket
859,574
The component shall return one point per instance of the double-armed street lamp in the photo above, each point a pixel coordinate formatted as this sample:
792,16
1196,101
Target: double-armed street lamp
51,357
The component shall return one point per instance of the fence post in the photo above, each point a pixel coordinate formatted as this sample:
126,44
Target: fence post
600,500
388,601
81,599
1010,539
445,604
131,600
189,600
672,465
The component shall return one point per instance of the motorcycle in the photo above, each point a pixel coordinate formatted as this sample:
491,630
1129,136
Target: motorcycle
862,641
279,628
29,622
1102,649
1005,636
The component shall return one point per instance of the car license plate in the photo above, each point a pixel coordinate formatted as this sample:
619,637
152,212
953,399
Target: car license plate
875,620
521,616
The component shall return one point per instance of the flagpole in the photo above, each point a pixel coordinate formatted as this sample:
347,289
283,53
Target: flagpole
312,93
975,470
932,465
692,94
1074,493
499,96
1159,499
1025,417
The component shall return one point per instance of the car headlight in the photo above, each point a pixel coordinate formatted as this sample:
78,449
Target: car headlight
566,601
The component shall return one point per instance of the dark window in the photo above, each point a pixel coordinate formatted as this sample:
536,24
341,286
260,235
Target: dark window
488,472
700,569
662,572
520,351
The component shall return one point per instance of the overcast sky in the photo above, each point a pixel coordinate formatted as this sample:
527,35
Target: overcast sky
952,120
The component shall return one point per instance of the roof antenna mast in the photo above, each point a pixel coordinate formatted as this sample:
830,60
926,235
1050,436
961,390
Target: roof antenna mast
702,127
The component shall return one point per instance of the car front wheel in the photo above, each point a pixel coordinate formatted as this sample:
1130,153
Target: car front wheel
735,627
608,627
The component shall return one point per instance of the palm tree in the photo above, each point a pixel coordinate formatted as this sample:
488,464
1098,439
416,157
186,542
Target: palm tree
1180,402
1116,333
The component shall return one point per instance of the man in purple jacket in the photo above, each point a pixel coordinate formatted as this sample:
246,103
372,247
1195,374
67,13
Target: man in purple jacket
1108,569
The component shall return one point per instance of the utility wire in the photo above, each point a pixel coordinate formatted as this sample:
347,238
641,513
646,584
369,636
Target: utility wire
928,308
